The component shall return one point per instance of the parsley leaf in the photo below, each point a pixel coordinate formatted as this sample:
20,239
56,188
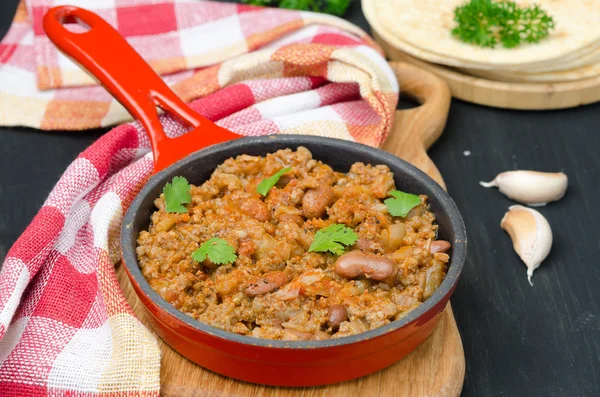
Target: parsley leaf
219,251
402,203
331,239
177,193
335,7
266,184
263,3
487,22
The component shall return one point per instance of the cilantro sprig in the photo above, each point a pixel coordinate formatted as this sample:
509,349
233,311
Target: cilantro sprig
334,7
217,250
332,239
176,194
487,22
266,184
401,203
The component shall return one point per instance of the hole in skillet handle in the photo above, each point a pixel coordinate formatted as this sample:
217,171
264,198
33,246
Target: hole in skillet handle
407,101
74,24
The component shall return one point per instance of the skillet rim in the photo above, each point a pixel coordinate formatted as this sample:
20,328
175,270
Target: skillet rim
128,242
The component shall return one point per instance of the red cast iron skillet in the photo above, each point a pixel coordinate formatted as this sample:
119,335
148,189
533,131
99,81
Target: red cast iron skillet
273,362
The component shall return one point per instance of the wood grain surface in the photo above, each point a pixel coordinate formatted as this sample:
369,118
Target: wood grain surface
437,367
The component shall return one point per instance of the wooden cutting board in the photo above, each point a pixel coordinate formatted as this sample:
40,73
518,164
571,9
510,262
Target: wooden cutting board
501,94
436,368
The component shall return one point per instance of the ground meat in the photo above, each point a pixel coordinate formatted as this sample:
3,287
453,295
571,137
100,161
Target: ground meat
276,289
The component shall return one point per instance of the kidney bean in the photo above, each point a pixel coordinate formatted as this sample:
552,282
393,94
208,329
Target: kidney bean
391,281
439,246
266,284
337,315
255,208
284,180
297,219
209,265
315,201
246,247
357,263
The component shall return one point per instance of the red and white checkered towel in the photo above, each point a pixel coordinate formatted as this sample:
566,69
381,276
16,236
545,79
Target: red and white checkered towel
65,326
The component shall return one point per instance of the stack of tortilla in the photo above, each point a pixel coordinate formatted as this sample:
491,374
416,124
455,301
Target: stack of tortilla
422,29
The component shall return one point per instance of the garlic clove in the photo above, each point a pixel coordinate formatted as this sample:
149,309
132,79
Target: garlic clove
530,187
531,235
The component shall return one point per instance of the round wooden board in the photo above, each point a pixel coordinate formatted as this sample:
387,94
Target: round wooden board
525,96
434,369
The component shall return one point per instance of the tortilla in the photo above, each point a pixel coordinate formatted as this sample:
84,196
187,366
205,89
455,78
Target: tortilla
584,72
422,28
588,58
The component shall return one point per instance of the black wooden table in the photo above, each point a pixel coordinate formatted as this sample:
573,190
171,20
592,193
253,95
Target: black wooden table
519,340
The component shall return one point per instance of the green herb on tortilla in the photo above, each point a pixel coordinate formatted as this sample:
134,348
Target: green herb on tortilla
488,22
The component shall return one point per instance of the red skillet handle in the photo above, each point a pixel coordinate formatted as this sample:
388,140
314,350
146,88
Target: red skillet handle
124,73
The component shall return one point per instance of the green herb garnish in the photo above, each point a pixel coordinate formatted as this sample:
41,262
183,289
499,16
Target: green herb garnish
334,7
266,184
177,193
487,22
332,239
219,251
401,203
